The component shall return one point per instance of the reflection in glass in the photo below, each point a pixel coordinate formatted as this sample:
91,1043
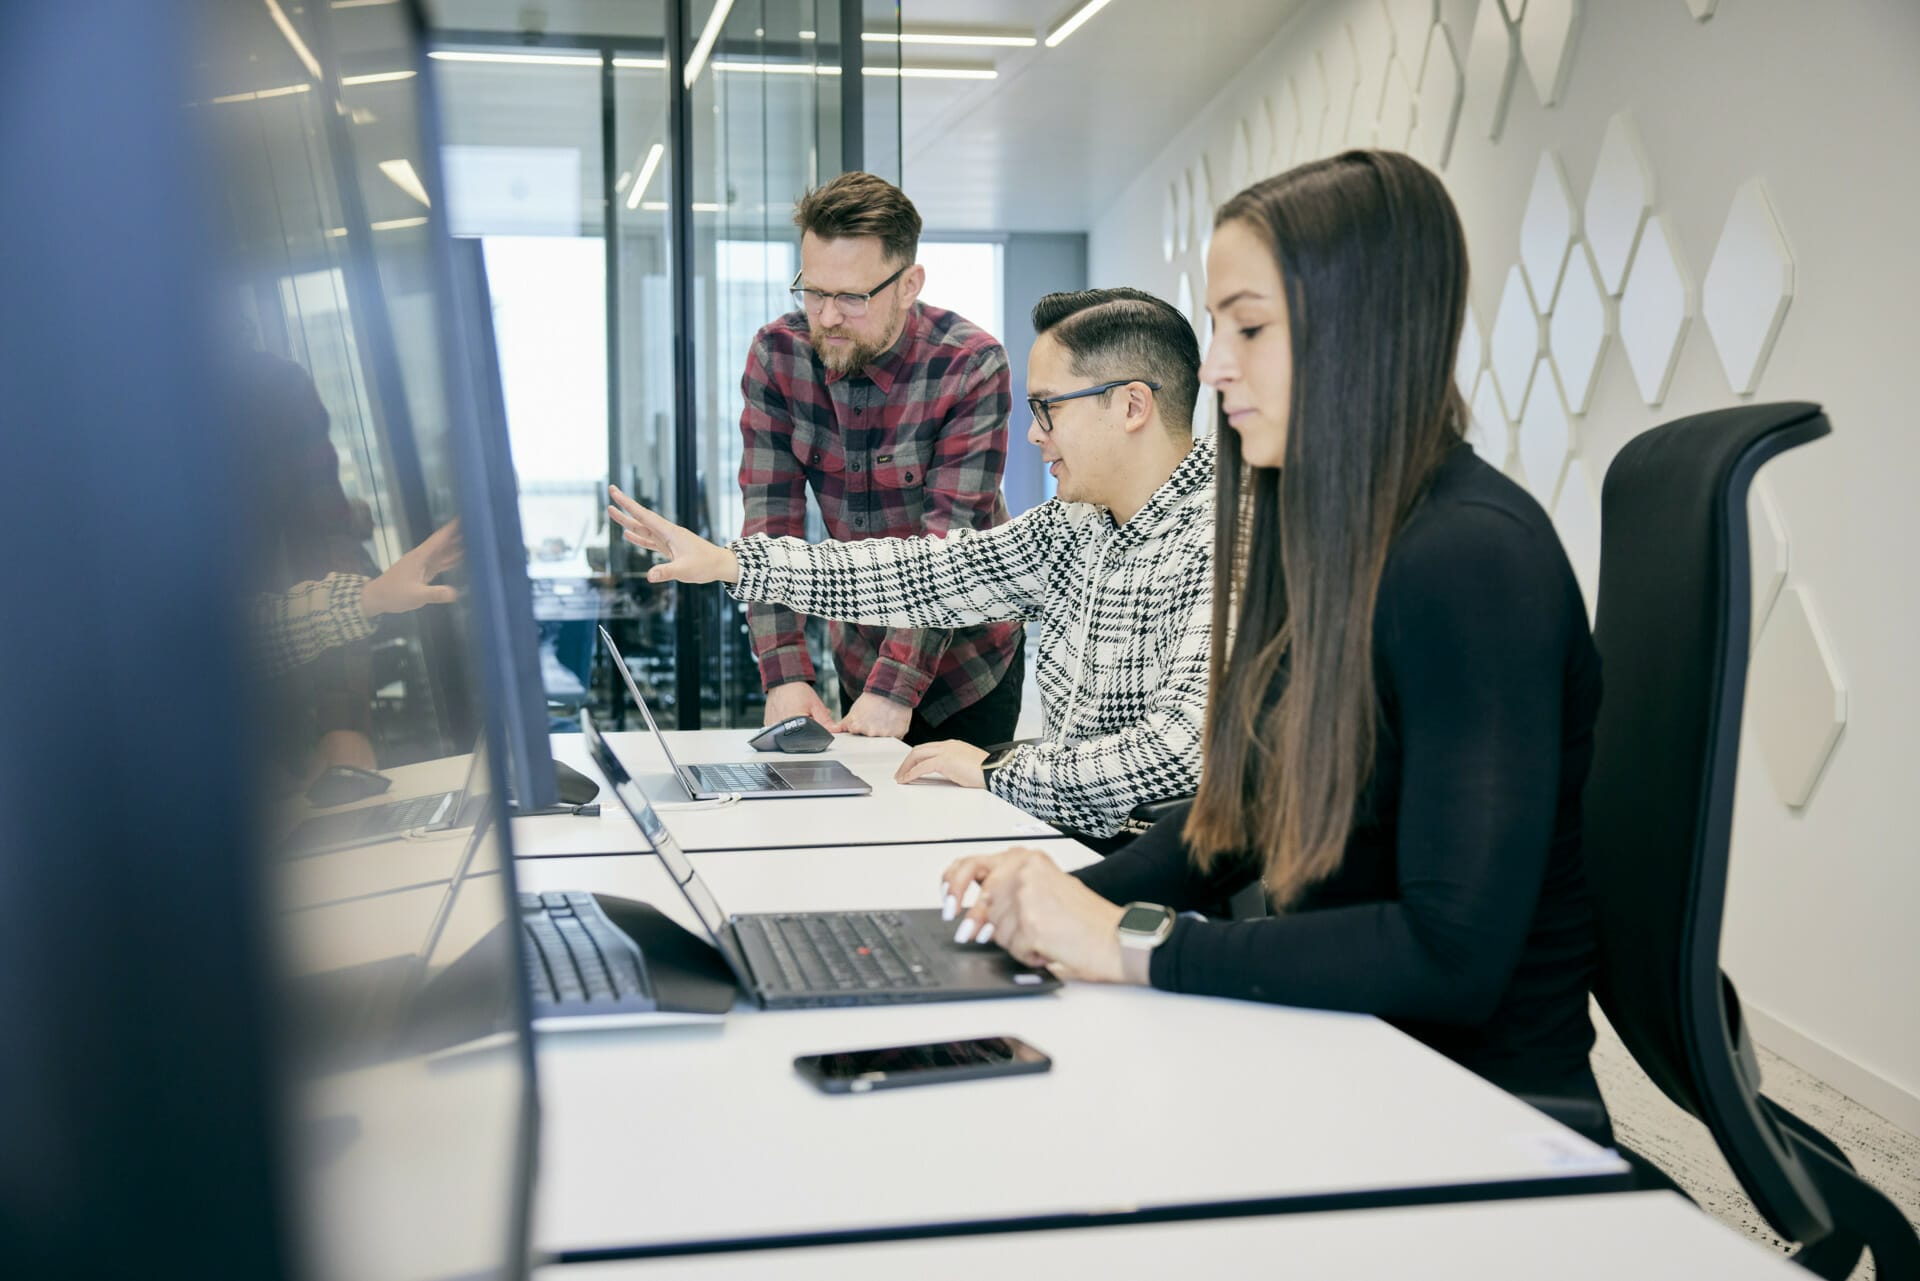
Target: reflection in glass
407,1112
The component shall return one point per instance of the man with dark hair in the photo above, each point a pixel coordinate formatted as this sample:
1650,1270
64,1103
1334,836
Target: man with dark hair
895,414
1117,568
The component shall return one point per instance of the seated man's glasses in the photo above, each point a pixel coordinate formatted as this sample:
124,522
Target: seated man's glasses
852,306
1042,407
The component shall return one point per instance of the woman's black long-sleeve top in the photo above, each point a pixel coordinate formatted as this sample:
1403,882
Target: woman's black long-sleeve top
1460,912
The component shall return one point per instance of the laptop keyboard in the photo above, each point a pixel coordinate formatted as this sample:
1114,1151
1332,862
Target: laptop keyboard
577,960
839,951
737,778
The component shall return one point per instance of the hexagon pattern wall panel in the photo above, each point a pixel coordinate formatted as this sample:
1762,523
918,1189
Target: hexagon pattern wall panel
1169,210
1618,201
1260,141
1313,108
1545,437
1748,285
1202,204
1578,333
1702,9
1396,109
1546,45
1412,21
1514,344
1795,697
1286,126
1473,352
1442,87
1342,65
1373,44
1547,230
1576,515
1487,424
1767,539
1654,311
1182,210
1492,54
1239,161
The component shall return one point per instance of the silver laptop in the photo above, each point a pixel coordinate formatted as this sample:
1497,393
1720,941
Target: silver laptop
750,780
793,960
372,824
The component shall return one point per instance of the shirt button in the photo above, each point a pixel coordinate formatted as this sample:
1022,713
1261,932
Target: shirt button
859,522
856,466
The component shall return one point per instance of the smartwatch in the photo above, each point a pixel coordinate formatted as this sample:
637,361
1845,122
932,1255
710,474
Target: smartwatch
995,759
1143,927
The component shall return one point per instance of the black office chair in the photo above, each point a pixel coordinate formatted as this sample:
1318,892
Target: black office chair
1672,631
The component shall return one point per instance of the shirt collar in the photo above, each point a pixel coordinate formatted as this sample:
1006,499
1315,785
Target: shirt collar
891,363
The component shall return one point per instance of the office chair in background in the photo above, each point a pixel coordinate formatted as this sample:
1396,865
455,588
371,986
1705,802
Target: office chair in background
1672,630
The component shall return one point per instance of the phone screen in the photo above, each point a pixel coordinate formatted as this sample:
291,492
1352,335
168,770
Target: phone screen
982,1056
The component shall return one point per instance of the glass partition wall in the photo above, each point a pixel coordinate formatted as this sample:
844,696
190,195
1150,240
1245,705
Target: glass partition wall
626,286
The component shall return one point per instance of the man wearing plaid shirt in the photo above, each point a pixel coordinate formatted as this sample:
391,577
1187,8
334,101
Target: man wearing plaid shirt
1117,569
895,414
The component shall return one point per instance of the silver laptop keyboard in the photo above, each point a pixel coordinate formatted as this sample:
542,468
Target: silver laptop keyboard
737,778
840,951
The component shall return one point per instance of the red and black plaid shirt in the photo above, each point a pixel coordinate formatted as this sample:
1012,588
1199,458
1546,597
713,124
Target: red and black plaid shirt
915,443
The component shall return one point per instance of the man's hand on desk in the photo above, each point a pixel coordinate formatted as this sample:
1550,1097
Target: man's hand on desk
796,698
875,716
959,763
689,557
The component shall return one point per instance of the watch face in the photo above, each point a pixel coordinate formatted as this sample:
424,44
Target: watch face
1143,920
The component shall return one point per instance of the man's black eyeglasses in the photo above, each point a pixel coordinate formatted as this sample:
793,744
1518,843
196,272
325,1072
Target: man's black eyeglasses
852,306
1042,407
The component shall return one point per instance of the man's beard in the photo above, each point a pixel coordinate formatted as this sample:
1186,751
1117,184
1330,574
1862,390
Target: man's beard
855,355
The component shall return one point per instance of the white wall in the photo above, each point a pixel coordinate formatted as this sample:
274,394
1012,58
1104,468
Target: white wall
1819,102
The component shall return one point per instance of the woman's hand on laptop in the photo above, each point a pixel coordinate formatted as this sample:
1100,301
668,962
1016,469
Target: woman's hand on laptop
1038,913
689,557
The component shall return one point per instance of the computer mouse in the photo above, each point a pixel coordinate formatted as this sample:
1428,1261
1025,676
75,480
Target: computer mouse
344,784
795,734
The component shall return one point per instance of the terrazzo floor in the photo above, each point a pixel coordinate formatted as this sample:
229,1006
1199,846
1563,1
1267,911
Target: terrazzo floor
1644,1119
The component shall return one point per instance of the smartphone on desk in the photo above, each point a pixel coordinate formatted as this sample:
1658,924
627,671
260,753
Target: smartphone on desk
889,1068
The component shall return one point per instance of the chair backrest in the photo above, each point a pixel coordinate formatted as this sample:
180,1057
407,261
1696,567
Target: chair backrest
1672,630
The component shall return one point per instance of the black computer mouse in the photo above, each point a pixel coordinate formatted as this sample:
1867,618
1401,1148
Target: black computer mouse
795,734
341,784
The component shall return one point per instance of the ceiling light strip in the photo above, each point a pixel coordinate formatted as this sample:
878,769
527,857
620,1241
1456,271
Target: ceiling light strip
647,166
1074,23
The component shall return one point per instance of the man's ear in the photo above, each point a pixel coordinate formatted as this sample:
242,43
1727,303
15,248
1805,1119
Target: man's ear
1139,406
912,283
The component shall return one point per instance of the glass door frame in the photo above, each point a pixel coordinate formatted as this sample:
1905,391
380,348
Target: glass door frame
675,48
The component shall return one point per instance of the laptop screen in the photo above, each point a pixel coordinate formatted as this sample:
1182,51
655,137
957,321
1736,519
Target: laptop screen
698,896
639,700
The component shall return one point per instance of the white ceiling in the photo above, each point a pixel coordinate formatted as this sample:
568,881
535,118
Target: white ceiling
1045,146
1052,141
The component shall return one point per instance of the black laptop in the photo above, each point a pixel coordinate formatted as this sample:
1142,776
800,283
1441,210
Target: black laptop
789,960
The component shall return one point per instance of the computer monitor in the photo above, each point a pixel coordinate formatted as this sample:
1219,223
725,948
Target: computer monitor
229,349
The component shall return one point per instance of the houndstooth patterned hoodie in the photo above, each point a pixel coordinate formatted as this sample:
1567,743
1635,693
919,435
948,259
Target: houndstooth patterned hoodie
1125,620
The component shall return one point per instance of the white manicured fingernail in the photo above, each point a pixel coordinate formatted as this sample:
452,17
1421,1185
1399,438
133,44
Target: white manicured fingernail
965,931
949,907
986,933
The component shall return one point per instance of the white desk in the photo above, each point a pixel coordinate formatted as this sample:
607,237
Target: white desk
1641,1236
894,813
669,1139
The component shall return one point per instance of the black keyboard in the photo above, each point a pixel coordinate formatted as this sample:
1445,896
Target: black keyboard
579,962
737,778
836,952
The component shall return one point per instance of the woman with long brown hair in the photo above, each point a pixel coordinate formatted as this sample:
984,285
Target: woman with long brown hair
1404,683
